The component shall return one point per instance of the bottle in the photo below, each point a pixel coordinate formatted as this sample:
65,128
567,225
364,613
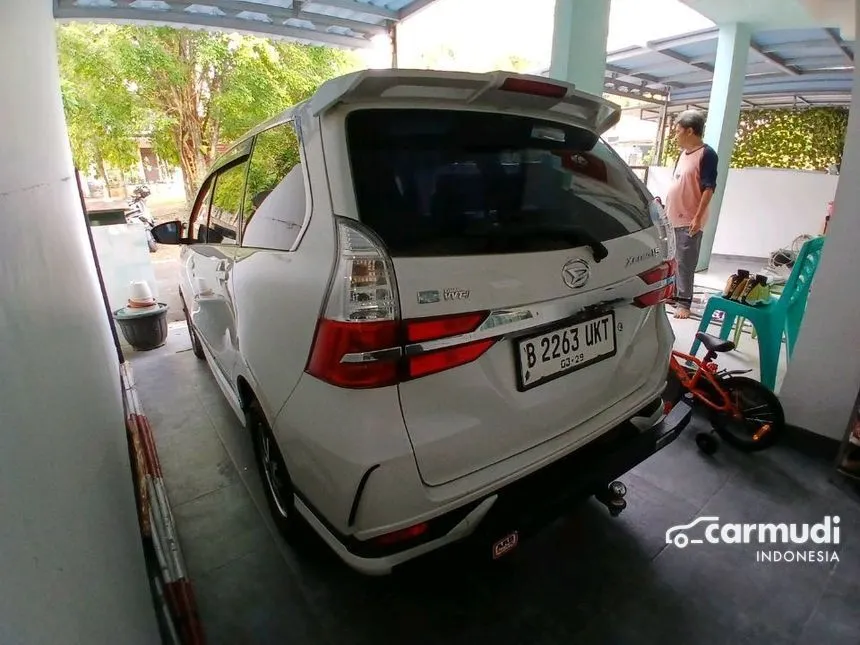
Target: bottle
733,282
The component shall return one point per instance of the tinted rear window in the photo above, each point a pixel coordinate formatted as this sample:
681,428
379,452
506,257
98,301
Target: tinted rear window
444,182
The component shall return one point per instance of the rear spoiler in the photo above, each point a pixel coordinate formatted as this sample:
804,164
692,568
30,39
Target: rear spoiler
494,89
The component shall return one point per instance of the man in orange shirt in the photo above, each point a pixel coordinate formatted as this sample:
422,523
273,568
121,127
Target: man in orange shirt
694,180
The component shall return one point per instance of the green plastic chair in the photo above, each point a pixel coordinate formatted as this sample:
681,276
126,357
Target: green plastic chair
781,316
739,322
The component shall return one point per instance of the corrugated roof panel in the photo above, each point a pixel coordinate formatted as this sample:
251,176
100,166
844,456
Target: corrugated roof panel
778,36
311,8
704,49
801,49
342,23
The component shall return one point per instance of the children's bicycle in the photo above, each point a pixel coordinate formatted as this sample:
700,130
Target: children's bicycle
742,411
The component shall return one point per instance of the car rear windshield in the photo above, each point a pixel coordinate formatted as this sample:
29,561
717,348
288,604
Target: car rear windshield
448,182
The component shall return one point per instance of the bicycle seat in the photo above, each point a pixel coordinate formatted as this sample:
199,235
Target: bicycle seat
715,344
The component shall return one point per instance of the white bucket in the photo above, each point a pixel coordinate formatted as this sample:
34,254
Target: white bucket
140,293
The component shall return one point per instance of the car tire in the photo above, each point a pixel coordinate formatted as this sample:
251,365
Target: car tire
276,481
196,346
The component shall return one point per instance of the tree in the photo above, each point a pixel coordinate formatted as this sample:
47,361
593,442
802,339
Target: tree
199,89
102,115
807,139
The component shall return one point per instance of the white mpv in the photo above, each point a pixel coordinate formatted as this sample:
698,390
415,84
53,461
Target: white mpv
435,299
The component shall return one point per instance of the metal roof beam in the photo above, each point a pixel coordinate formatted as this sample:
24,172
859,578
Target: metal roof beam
687,39
773,60
776,48
648,78
322,20
221,23
412,9
624,54
280,13
357,7
631,90
836,38
669,53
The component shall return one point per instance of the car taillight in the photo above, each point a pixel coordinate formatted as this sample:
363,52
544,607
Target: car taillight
360,339
663,276
360,317
445,359
424,329
336,339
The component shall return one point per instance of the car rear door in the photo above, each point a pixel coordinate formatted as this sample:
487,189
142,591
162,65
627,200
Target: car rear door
209,266
519,247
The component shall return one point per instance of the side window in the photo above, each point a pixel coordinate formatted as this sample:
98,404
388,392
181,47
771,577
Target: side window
198,220
274,209
227,205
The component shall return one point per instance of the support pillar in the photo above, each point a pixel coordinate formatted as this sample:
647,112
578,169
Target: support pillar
724,113
579,35
392,35
823,376
71,556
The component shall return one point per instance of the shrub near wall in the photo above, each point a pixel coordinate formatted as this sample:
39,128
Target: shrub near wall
808,139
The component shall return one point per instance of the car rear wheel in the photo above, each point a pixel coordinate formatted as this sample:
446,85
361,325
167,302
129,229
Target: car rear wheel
273,471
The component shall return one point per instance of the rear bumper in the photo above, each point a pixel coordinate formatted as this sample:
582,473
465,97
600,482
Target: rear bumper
526,505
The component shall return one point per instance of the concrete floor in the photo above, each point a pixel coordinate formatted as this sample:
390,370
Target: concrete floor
587,579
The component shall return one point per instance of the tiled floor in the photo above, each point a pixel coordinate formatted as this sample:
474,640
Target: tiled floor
588,579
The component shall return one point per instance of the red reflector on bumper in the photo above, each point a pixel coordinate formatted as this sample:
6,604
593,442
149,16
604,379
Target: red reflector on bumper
402,535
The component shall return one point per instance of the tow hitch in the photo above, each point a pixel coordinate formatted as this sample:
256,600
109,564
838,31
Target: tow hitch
612,497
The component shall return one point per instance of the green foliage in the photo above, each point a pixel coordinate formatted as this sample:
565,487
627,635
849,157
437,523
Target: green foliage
227,198
102,114
188,90
806,139
809,139
276,152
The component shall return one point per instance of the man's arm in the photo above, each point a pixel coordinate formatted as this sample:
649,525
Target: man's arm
697,223
708,183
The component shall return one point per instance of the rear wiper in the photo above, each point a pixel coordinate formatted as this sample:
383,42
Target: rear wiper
572,234
598,249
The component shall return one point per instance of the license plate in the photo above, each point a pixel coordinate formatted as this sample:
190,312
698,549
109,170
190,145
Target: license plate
565,350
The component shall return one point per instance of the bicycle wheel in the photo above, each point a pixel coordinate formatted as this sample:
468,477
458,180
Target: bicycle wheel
761,420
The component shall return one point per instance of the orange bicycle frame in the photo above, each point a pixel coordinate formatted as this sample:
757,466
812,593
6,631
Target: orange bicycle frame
691,383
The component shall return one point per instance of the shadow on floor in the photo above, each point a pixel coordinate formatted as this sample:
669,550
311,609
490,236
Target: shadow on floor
587,579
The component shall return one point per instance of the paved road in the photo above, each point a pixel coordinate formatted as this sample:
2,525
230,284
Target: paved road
165,263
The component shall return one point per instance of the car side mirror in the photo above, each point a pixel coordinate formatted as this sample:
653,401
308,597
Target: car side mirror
168,232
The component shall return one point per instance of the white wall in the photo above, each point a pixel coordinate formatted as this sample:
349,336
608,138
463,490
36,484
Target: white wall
71,559
823,378
764,209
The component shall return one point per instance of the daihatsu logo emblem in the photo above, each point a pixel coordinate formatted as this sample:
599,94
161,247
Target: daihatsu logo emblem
575,273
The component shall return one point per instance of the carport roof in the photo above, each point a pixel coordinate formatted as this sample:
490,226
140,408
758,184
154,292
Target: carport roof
786,67
341,23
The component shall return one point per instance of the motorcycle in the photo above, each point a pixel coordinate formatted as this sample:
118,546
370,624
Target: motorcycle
138,213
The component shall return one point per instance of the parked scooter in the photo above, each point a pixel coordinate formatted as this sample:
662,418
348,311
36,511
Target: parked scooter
138,213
